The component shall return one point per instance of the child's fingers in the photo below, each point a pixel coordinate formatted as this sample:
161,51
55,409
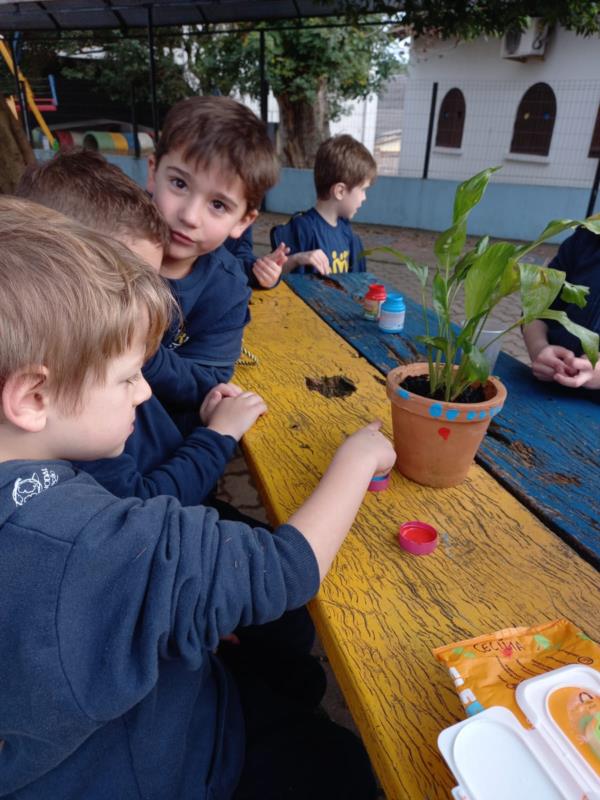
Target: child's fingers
375,425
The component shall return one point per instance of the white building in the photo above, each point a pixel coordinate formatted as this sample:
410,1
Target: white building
537,116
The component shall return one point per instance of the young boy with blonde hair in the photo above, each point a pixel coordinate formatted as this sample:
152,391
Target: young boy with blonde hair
112,608
157,459
321,239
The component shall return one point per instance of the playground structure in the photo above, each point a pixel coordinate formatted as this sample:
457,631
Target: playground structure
24,94
117,141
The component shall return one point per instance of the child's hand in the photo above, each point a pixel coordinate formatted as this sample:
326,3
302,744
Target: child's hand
312,258
280,254
267,272
368,443
235,415
214,397
551,361
581,373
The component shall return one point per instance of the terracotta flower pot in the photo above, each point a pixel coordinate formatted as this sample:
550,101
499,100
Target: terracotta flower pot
436,441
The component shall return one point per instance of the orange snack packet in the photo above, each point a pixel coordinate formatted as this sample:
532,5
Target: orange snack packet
486,670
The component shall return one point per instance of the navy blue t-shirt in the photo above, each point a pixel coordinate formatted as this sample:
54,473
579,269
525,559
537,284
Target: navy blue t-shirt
309,231
201,349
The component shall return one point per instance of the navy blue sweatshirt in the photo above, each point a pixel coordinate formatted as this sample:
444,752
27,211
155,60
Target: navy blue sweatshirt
579,257
111,610
207,342
158,460
309,231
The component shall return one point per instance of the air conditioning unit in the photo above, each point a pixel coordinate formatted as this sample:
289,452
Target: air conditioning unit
524,44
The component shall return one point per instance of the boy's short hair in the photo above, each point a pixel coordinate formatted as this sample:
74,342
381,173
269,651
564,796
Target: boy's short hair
342,159
219,129
70,298
83,185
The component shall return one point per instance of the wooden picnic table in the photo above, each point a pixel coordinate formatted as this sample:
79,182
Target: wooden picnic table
380,610
545,444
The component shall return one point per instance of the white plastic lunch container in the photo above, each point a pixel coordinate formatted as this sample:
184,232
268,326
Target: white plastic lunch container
494,757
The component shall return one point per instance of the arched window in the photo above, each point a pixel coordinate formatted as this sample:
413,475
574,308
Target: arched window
535,121
595,144
451,120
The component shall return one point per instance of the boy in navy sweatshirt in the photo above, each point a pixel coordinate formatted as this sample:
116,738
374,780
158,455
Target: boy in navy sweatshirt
157,459
321,239
214,162
111,609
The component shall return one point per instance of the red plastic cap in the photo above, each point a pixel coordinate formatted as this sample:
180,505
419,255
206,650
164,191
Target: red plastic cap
376,292
417,538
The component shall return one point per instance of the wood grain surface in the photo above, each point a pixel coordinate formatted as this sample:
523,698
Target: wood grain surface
380,611
544,446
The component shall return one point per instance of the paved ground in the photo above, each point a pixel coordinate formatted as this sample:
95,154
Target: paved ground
236,486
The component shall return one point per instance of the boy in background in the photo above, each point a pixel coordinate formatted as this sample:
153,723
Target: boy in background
321,239
214,162
157,459
108,682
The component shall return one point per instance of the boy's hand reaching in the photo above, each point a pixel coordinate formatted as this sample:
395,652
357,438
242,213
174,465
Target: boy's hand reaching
233,416
311,258
267,269
369,444
214,397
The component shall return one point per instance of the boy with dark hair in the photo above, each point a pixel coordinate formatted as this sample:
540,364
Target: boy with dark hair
321,239
157,459
214,162
112,608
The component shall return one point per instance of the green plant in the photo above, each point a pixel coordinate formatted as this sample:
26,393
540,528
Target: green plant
487,273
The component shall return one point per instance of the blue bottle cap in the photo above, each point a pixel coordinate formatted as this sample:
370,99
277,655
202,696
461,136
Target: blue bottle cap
394,302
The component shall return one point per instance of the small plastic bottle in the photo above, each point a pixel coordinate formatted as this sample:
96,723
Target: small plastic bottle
391,319
373,299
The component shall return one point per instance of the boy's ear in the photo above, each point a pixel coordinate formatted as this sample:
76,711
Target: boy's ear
25,398
244,223
338,190
151,173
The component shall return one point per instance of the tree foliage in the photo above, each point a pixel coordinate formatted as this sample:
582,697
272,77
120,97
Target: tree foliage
468,20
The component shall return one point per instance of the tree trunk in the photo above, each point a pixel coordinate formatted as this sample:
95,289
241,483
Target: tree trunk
302,127
15,152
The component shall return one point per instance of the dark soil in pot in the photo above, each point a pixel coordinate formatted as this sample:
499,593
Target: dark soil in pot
419,384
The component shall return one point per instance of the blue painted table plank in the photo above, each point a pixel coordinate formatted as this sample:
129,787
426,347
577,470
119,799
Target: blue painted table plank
543,446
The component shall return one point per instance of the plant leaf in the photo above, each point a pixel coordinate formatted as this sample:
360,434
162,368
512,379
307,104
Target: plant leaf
470,192
440,296
574,293
553,228
475,365
449,244
484,275
592,223
589,339
539,288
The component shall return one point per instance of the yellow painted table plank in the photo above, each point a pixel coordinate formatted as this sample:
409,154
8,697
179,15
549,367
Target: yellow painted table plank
380,610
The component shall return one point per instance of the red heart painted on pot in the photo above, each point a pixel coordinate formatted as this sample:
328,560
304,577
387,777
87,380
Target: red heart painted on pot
444,433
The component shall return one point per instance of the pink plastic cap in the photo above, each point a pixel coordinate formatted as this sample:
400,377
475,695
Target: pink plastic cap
417,538
379,483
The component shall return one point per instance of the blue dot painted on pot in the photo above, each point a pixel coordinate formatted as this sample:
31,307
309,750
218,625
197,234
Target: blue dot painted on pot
403,393
452,413
482,414
471,415
435,410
